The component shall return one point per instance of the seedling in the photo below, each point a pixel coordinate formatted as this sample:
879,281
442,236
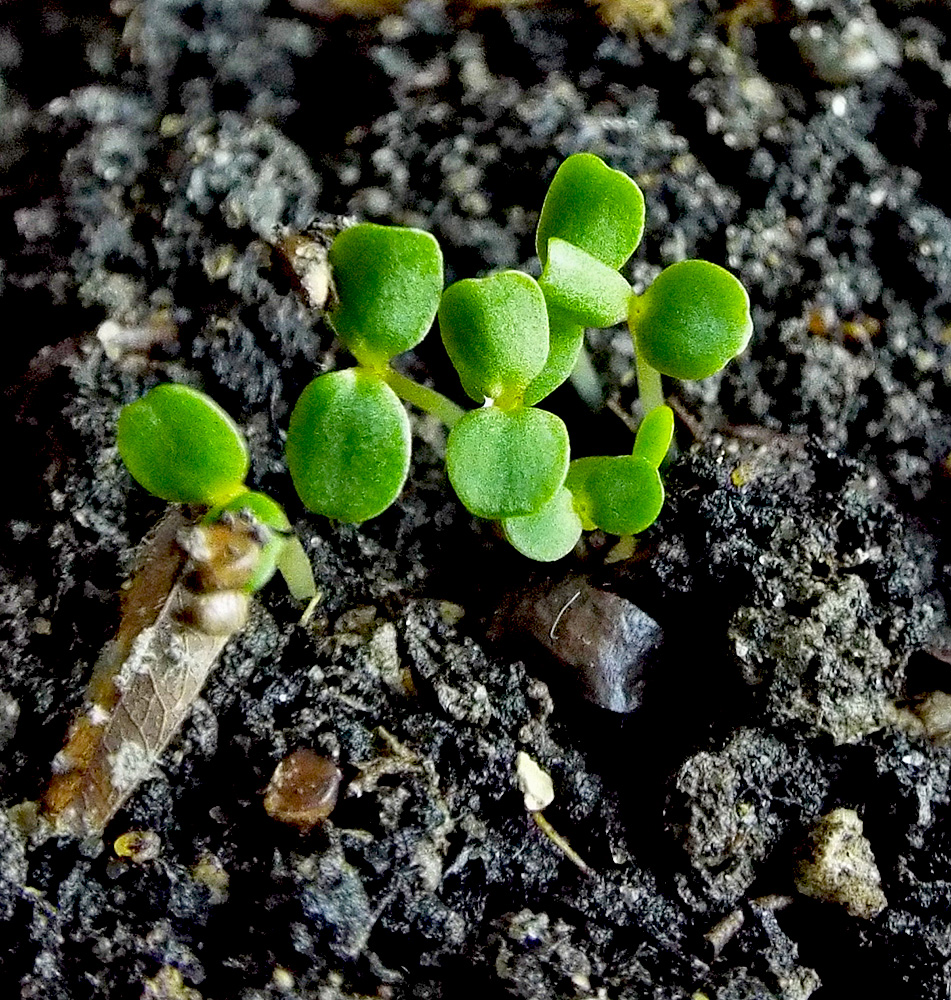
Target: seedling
694,317
181,446
512,340
190,594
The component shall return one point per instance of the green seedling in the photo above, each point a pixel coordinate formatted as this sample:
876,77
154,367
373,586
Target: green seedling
182,447
190,593
513,340
505,459
348,443
688,324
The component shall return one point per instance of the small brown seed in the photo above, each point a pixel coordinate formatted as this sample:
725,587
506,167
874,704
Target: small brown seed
303,789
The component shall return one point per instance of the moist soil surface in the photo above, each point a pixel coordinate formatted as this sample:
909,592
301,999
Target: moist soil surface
744,716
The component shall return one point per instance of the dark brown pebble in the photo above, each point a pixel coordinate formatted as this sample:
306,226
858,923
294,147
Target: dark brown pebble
606,644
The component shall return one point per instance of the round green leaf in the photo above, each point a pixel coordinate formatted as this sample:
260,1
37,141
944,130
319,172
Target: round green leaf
654,435
692,320
270,515
495,330
566,338
506,463
594,207
620,494
388,281
580,285
182,446
348,445
548,535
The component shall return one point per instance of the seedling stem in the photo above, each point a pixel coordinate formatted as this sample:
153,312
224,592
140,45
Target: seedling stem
426,399
649,387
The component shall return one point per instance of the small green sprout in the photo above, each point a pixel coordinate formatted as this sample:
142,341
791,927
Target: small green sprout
513,340
692,320
348,443
182,447
505,459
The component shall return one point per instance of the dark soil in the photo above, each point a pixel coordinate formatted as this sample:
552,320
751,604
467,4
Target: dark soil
148,155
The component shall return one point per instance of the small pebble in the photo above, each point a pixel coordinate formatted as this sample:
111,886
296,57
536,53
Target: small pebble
211,873
605,644
138,845
534,783
934,713
838,865
282,979
168,984
722,932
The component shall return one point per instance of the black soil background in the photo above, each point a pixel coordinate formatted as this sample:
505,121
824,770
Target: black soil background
149,153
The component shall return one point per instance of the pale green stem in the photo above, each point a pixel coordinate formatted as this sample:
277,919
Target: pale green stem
426,399
585,380
294,565
649,386
650,389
